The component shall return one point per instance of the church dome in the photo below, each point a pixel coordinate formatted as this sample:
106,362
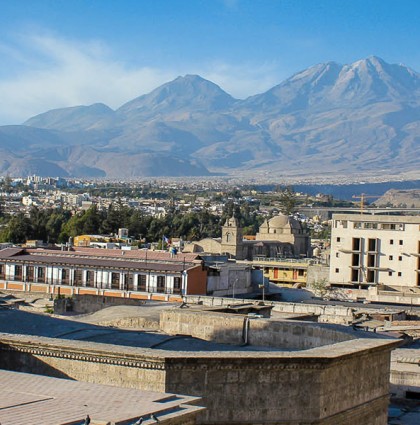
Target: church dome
279,221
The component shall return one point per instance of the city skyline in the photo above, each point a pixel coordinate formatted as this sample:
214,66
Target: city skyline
60,54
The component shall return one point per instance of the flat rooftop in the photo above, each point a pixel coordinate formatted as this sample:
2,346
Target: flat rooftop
20,322
34,399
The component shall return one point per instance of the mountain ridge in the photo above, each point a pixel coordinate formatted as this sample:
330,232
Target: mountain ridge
326,118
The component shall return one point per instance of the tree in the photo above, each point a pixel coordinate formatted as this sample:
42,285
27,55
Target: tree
320,287
287,201
17,229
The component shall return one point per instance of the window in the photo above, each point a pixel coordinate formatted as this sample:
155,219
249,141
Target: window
391,242
161,282
389,273
356,244
177,283
337,254
372,245
337,270
141,283
338,239
399,258
399,274
401,242
391,257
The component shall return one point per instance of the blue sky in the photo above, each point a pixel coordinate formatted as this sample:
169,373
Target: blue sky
59,53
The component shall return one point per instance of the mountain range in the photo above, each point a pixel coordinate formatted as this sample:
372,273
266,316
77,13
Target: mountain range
329,118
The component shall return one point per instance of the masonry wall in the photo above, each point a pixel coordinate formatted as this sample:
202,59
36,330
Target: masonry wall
289,391
237,329
346,386
70,360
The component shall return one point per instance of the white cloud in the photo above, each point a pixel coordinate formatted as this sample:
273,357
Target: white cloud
64,73
51,72
242,81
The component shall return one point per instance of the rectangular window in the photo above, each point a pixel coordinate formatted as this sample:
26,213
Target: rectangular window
161,283
391,257
18,271
389,273
356,244
372,245
391,242
177,283
371,260
338,239
399,258
337,254
337,270
399,274
141,283
355,261
401,242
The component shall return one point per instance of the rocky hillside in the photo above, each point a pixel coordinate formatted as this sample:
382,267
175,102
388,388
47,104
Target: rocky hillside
343,119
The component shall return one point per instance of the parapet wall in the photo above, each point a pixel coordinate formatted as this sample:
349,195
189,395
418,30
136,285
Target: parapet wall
327,313
237,329
344,386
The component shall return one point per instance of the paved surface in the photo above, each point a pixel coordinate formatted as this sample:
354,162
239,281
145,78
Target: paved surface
39,400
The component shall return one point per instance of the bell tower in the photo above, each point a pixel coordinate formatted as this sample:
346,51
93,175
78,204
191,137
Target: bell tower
232,239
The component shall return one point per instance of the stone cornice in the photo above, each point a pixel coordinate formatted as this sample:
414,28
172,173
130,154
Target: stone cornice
79,355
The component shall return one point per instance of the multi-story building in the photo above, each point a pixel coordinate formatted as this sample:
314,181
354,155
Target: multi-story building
375,250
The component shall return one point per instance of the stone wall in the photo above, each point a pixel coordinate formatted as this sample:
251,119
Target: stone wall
235,329
83,304
327,313
346,385
317,273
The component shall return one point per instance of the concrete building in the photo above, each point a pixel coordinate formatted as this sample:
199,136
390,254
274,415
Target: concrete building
368,250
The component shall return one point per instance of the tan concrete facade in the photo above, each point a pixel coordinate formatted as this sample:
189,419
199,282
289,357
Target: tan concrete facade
371,250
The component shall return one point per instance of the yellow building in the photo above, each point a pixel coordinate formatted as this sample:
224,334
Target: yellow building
285,272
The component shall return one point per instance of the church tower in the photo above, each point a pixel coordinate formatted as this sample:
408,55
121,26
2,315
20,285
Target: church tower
232,239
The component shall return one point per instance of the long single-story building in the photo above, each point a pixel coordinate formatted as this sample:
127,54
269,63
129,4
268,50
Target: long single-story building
144,271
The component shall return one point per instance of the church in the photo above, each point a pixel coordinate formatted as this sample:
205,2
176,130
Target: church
281,236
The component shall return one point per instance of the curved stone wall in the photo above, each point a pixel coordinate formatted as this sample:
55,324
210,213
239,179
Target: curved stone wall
344,384
235,329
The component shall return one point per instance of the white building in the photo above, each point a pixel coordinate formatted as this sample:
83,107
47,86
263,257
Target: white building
375,250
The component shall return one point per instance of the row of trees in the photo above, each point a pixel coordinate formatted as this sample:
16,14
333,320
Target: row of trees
57,226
